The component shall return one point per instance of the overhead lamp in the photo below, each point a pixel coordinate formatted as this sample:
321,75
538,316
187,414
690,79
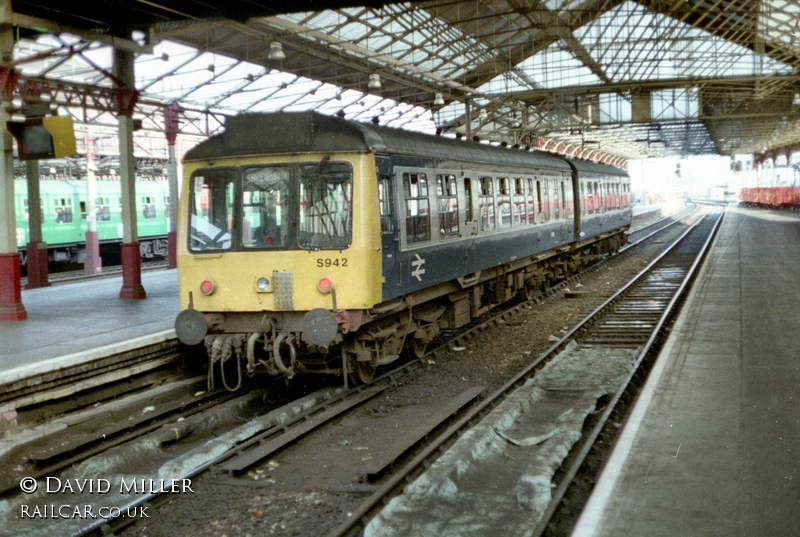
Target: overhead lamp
276,52
796,100
483,114
438,100
374,82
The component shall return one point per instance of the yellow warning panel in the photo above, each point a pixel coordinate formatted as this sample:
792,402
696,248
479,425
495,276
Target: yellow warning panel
62,130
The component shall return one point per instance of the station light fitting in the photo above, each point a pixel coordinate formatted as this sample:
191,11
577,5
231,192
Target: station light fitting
276,52
438,100
796,100
374,82
483,114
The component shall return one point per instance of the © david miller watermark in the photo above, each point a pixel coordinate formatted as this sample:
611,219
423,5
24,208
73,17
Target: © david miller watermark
98,486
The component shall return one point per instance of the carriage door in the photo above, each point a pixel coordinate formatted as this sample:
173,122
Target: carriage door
390,233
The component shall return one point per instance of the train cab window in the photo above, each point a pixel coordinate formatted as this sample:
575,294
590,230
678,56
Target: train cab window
326,205
503,202
447,195
63,210
211,210
486,204
148,207
264,208
518,207
418,214
384,205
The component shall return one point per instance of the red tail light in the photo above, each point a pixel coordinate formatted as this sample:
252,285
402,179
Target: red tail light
207,287
325,285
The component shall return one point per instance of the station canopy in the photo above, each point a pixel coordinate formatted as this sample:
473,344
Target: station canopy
599,79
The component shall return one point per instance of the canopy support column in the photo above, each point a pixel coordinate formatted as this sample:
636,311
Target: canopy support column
11,308
131,259
36,249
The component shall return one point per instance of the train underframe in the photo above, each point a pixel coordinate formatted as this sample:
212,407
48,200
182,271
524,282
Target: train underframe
63,257
366,339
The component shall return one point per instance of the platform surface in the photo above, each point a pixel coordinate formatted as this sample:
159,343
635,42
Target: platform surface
69,323
713,444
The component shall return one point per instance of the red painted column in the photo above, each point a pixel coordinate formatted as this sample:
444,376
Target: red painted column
11,308
131,273
92,263
36,265
36,250
172,249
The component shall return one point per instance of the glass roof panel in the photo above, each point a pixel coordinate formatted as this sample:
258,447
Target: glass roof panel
631,43
556,67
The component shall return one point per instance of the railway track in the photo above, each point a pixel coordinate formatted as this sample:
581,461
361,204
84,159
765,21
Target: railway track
454,477
264,435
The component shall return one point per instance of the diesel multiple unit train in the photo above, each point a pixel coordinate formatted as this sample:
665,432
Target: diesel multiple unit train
311,243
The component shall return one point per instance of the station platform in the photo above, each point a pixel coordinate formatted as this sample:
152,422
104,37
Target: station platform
73,323
712,446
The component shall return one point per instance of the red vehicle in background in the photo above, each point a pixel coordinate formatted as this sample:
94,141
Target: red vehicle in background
786,197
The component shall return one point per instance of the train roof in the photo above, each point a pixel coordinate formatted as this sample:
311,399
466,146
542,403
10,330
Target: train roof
293,132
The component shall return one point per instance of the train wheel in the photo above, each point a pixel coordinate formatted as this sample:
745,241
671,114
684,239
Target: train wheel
366,372
359,372
418,347
528,290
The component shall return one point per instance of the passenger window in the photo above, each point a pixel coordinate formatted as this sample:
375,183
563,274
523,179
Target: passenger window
520,214
556,200
504,203
583,197
103,209
596,197
418,216
531,202
63,210
448,205
384,205
148,207
486,204
468,197
544,201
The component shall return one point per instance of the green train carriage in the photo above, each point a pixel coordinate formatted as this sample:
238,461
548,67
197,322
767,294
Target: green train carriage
64,206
